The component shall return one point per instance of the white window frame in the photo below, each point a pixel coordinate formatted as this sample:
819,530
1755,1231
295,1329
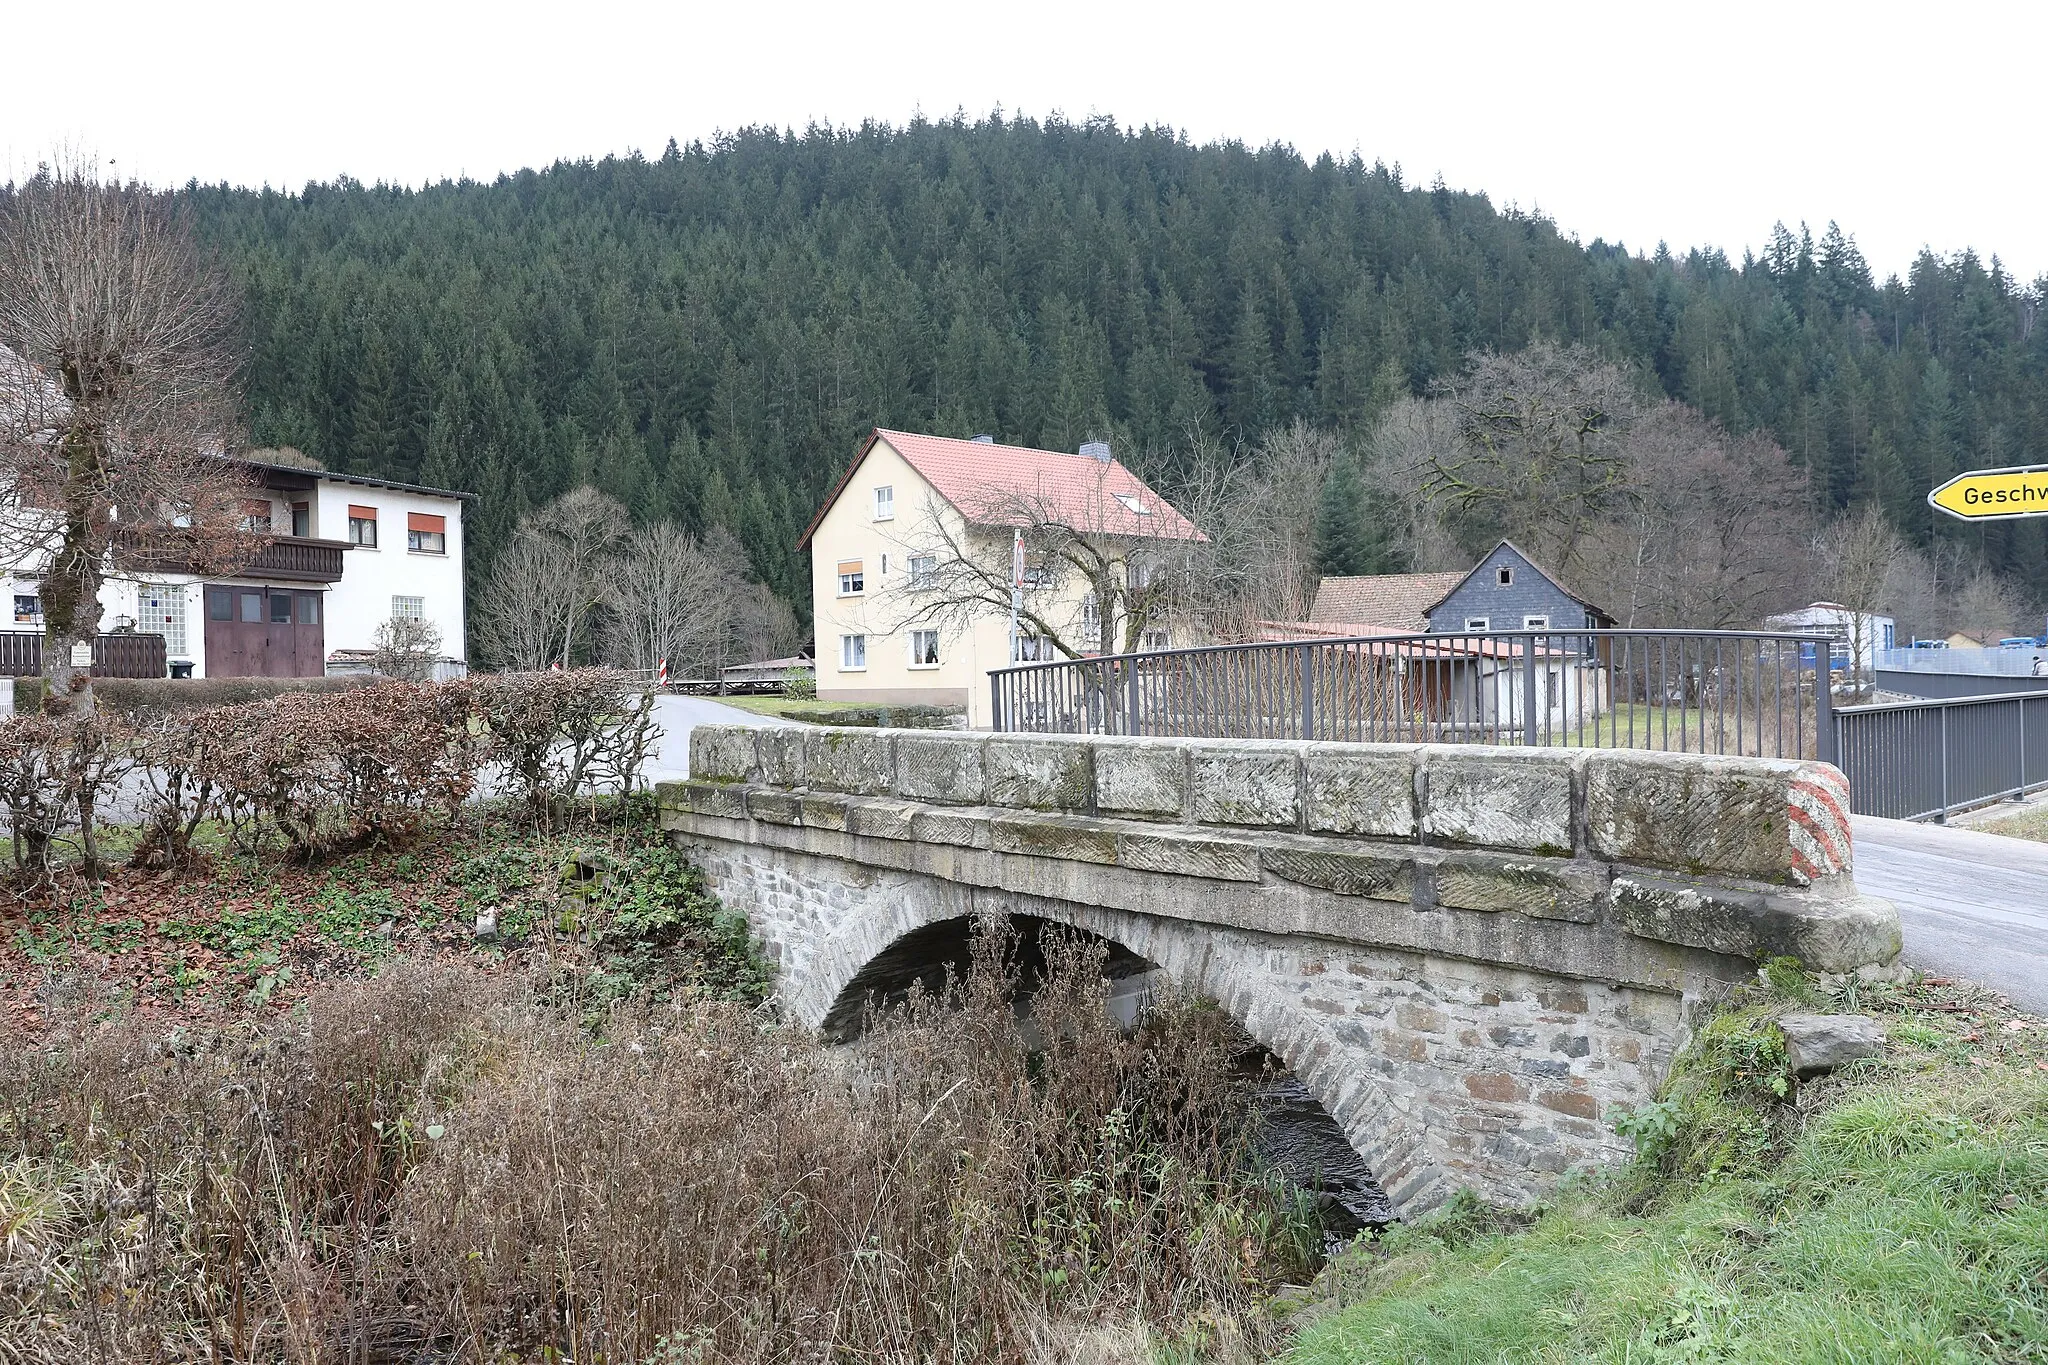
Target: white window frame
918,636
1155,639
854,584
924,570
1478,625
853,647
1031,648
1504,575
1535,623
408,608
885,502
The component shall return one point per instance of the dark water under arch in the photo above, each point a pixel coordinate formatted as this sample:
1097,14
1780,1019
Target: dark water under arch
1296,1136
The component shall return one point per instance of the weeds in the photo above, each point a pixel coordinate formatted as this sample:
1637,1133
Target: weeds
440,1163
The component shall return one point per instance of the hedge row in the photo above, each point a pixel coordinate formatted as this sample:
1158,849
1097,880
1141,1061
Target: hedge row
320,770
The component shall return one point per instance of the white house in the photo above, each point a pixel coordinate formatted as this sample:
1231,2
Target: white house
347,554
1855,636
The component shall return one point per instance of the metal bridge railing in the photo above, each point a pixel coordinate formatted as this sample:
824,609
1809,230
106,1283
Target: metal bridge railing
1714,692
1920,760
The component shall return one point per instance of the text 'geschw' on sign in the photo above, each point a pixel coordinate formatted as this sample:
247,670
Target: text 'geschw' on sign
1995,494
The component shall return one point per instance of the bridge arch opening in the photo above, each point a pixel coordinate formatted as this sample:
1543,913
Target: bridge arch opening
1296,1135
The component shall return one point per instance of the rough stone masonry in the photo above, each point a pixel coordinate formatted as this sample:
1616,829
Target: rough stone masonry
1470,955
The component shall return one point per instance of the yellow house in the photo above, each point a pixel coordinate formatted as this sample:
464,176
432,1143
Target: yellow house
916,549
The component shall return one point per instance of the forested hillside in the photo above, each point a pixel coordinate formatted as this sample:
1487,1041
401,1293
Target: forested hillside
707,334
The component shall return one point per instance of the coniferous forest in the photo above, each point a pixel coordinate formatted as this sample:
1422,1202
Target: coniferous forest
707,334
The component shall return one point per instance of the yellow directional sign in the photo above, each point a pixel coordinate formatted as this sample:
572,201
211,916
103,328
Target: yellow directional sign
1995,494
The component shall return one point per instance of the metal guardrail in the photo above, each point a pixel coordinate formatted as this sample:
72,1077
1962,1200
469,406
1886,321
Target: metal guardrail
2017,661
1922,760
1715,692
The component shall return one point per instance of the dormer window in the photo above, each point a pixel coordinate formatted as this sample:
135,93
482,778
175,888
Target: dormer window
1507,575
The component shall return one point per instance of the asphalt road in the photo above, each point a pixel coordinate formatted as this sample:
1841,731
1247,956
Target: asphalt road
1972,905
676,715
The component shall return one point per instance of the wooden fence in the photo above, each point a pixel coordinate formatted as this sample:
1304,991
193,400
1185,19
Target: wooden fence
126,655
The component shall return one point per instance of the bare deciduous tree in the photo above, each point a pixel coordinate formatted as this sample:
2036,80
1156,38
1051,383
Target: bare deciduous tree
689,600
406,648
1259,563
116,402
1858,558
1416,436
1539,456
550,579
1709,531
1945,588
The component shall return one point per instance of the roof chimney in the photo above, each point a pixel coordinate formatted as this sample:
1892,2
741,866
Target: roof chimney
983,440
1096,450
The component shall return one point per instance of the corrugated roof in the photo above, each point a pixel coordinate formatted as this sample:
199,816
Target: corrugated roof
999,485
1394,601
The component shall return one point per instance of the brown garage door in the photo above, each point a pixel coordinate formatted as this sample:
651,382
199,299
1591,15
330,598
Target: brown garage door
259,632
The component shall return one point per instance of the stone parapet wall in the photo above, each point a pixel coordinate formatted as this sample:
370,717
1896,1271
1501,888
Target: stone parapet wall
1443,1073
1469,955
1627,855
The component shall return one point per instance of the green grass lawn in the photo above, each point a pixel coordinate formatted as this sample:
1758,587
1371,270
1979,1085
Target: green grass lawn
1638,725
789,707
839,712
1896,1214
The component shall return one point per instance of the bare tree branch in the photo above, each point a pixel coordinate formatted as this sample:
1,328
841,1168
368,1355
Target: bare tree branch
116,401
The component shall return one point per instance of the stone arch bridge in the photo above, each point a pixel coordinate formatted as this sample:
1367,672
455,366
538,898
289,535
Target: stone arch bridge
1470,955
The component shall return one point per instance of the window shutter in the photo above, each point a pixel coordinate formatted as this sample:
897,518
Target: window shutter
420,521
361,513
850,565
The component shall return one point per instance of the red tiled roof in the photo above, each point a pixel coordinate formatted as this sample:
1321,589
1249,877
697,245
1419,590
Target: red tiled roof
1396,601
998,485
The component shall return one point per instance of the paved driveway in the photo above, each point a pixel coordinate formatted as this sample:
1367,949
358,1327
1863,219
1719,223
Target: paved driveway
1972,905
677,716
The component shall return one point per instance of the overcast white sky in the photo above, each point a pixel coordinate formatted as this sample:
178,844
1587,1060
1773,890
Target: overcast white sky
1694,124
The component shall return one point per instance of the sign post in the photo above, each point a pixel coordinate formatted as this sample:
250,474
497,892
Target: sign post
1995,494
1016,588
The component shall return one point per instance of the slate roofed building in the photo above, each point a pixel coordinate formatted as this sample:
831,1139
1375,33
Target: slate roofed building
1505,590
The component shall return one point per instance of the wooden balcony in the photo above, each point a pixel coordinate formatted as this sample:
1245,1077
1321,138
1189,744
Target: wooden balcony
297,559
278,559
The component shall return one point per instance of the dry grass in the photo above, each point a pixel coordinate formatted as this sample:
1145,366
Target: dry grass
2030,824
441,1164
